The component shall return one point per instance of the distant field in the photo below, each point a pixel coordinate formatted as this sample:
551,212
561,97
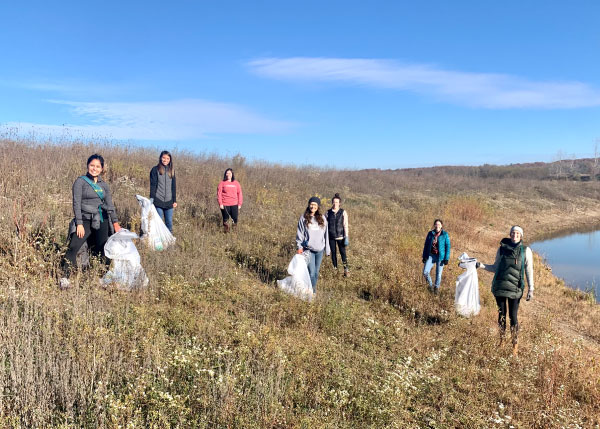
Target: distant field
212,343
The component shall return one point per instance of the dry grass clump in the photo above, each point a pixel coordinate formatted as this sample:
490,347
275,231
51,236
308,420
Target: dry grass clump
212,343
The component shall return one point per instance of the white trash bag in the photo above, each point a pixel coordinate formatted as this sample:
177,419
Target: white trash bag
466,300
126,270
155,233
298,282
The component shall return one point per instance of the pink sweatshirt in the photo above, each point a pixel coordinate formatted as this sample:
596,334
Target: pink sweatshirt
230,193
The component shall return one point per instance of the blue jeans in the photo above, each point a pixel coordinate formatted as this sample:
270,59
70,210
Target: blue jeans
167,215
433,259
314,263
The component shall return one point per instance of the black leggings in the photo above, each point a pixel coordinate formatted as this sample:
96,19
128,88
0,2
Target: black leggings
342,246
513,308
230,212
96,239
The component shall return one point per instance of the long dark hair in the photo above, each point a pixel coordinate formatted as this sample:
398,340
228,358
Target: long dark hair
232,175
98,157
318,216
161,167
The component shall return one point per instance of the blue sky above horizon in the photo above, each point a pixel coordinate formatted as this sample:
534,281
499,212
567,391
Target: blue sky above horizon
347,84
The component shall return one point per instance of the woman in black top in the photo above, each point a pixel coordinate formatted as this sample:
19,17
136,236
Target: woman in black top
95,214
337,219
163,189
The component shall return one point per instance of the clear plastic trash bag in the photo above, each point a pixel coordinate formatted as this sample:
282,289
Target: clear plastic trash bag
126,270
298,282
155,233
466,300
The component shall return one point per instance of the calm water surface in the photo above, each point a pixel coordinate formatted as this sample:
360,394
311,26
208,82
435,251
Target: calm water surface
575,258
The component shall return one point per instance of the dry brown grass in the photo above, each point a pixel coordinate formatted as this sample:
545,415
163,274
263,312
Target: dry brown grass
211,343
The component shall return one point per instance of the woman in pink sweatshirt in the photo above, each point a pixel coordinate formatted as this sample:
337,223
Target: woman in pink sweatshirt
229,195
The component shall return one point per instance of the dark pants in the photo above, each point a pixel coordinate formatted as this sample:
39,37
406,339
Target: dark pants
513,308
96,238
342,246
230,212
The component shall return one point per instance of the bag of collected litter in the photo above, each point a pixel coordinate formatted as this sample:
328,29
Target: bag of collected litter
466,300
298,282
126,270
155,233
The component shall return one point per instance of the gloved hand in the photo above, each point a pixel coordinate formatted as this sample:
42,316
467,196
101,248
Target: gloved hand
346,241
424,260
444,262
529,295
477,265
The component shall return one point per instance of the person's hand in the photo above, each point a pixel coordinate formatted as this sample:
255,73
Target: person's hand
346,241
117,227
444,262
477,265
300,251
529,295
424,260
239,207
80,231
222,207
174,205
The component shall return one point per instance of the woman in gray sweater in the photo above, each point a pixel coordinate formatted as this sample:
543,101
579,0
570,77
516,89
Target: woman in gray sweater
95,215
312,238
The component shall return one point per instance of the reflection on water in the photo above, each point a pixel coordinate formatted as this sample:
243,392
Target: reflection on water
575,258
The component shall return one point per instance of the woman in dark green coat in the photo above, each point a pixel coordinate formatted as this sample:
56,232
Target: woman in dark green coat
514,263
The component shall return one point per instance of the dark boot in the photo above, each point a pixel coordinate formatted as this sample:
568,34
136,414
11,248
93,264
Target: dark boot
501,329
514,334
234,227
346,272
225,227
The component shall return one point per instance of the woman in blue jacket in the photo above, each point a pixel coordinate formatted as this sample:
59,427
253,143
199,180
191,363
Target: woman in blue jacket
436,251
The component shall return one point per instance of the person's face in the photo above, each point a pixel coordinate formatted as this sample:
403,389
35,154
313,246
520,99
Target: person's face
437,226
313,207
229,175
94,168
336,204
515,236
165,160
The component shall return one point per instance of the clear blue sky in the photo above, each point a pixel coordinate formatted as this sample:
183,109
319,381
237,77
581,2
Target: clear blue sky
354,84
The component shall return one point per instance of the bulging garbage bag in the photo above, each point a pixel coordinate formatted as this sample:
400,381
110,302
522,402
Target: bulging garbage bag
155,233
298,282
126,271
466,300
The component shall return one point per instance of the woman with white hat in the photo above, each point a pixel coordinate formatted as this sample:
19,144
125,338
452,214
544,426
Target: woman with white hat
514,263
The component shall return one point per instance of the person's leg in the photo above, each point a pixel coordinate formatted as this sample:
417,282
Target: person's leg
501,302
311,270
342,247
513,309
426,269
70,260
98,239
161,212
225,214
168,214
333,252
318,260
233,212
438,274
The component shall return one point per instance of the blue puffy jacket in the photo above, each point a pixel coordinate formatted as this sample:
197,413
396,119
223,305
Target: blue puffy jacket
443,245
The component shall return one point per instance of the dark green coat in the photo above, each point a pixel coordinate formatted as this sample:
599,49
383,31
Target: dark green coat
509,280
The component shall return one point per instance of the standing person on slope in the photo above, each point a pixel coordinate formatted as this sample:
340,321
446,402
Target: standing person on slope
312,238
337,222
95,215
436,251
514,263
230,198
163,190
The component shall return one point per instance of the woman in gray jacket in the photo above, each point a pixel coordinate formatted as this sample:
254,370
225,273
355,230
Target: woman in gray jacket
163,189
312,238
95,215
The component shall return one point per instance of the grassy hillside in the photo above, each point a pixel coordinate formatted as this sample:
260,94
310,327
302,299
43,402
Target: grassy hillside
212,343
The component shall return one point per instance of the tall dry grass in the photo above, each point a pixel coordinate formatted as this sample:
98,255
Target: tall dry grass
212,343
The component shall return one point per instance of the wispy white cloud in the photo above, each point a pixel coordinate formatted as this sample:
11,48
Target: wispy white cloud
485,90
166,120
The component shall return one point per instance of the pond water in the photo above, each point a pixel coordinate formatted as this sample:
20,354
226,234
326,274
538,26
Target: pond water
575,258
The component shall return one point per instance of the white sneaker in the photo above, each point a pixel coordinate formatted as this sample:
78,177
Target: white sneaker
64,283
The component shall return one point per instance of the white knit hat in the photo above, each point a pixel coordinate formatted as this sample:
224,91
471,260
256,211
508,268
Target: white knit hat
517,228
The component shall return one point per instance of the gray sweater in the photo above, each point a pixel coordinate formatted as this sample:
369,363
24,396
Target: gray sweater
312,237
86,201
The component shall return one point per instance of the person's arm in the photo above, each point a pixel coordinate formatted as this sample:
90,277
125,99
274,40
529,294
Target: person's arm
300,234
110,207
426,249
492,268
529,268
240,195
220,194
327,248
77,196
153,182
345,219
174,191
447,246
